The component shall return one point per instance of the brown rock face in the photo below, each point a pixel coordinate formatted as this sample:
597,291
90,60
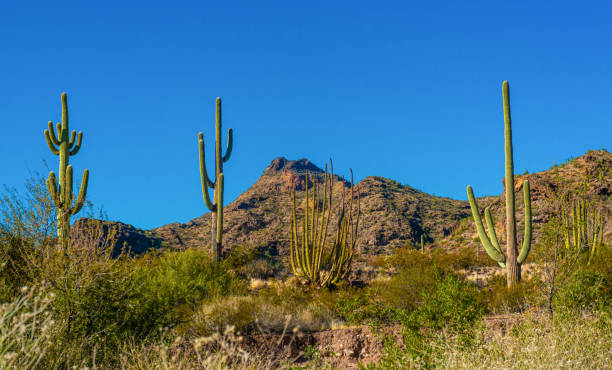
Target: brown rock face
392,214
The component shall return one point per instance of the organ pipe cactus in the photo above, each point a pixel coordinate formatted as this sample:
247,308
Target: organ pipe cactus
216,205
510,261
583,225
65,144
313,260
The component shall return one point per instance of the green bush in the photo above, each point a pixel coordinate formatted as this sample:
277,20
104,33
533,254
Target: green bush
453,305
500,299
173,283
585,290
365,306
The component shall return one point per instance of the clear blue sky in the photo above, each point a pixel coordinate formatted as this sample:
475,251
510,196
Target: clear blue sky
406,90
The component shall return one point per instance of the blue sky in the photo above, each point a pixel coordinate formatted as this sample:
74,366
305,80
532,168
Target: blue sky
405,90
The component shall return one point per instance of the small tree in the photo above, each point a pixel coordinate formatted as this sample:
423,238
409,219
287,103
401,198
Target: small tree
559,263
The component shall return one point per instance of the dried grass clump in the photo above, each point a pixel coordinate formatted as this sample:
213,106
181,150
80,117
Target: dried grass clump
250,314
25,329
217,351
578,342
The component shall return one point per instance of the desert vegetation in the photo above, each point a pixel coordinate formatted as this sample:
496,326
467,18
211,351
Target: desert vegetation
74,298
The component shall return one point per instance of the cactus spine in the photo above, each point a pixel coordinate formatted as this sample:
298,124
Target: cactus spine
216,205
311,261
511,261
64,145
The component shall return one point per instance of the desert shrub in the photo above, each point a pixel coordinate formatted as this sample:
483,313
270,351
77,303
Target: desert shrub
27,226
365,306
452,305
448,261
252,314
91,288
585,290
248,262
463,258
499,298
170,284
407,258
260,268
214,316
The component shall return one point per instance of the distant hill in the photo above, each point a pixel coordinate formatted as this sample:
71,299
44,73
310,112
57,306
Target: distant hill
392,215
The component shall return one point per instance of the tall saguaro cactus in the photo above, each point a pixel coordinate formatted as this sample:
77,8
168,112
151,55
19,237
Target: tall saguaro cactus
510,261
216,205
64,145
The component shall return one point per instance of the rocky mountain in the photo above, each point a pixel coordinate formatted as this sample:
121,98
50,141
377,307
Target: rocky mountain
392,214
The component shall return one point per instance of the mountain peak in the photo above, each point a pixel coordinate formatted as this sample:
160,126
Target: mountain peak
281,164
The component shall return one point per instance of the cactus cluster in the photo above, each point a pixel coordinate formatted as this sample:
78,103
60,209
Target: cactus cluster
583,226
216,205
312,259
65,144
510,261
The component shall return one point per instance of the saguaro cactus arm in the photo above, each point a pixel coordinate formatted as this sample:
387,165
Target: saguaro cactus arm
493,252
491,228
527,236
82,191
52,187
205,180
230,141
75,149
52,139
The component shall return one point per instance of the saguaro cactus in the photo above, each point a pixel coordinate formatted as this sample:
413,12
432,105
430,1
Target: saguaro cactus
216,205
64,145
312,260
491,246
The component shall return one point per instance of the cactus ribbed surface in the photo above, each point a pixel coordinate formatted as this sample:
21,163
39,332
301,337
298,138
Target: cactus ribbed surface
216,205
510,261
583,225
65,144
312,259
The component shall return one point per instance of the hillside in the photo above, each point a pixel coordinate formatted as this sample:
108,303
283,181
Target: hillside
589,174
392,214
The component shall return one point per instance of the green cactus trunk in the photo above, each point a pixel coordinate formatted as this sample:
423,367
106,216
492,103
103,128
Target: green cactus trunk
513,268
64,145
510,261
216,206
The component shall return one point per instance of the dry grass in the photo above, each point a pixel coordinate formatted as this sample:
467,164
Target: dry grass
582,342
218,351
250,313
25,328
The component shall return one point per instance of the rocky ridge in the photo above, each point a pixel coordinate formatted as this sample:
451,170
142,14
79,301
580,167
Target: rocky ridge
392,214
